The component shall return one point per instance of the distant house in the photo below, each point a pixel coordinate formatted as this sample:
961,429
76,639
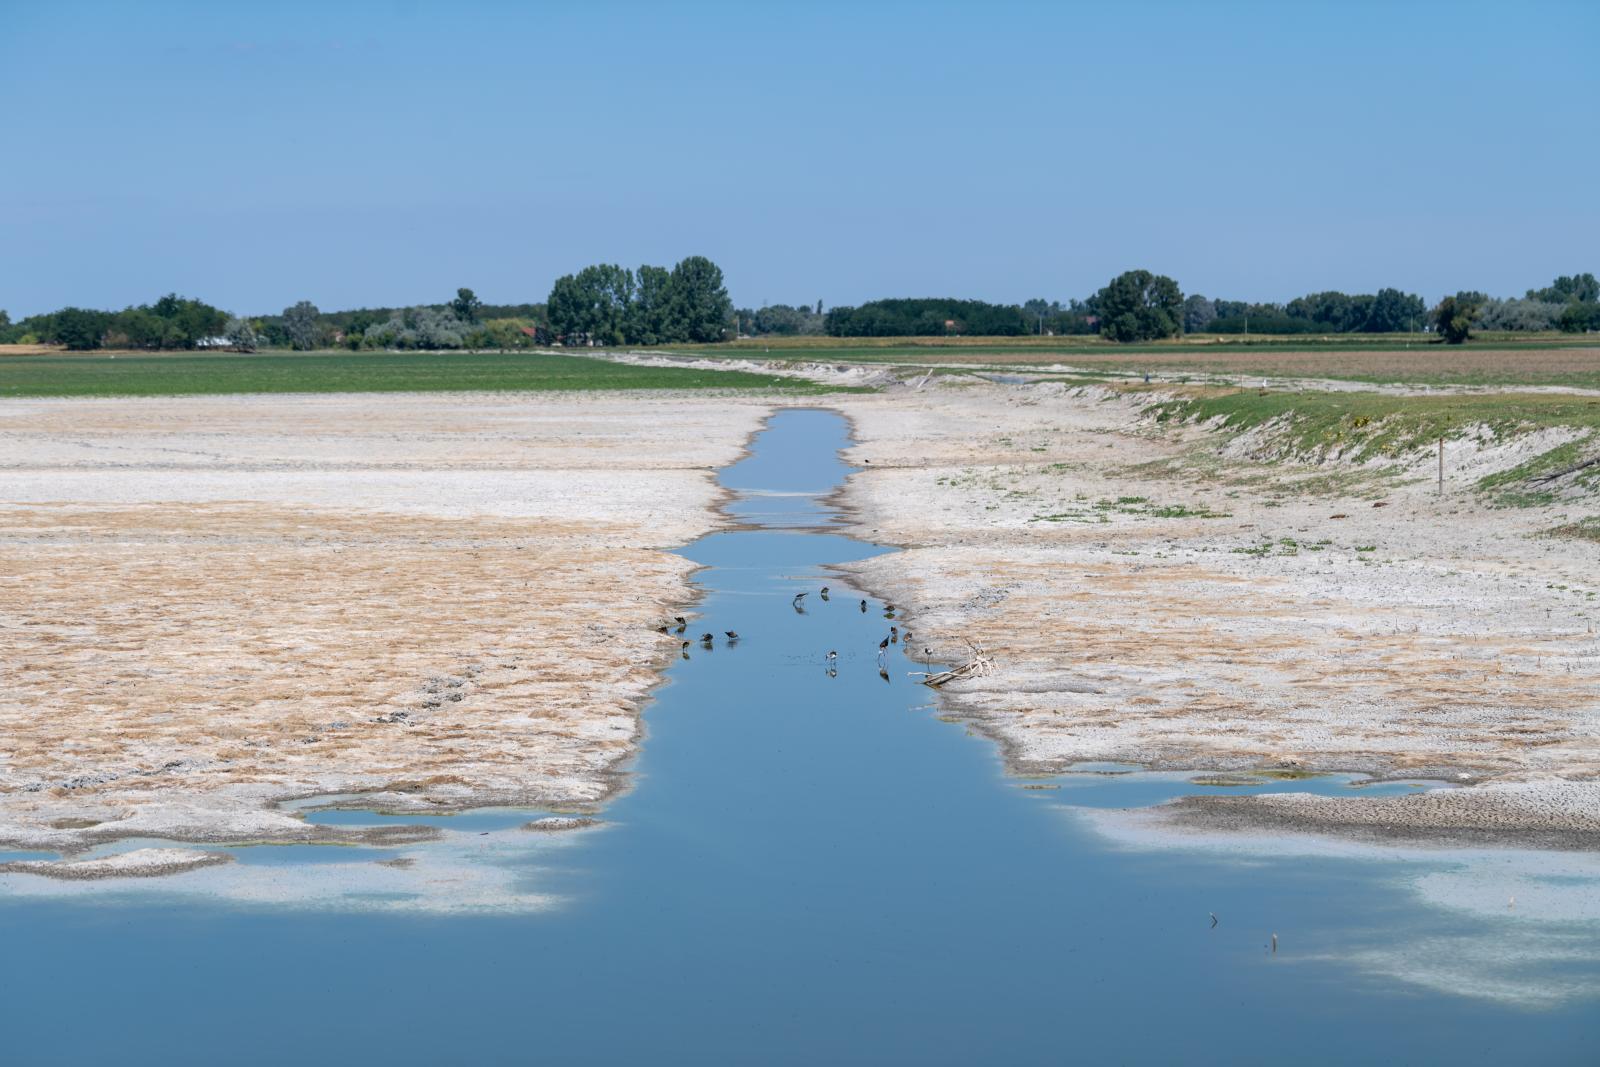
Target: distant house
213,342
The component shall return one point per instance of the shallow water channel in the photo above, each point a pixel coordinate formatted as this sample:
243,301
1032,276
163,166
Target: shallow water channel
814,867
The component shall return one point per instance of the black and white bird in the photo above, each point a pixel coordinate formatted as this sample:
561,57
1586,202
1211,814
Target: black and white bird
797,598
833,657
824,592
732,636
863,605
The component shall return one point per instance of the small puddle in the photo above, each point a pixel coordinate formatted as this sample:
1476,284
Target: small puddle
811,867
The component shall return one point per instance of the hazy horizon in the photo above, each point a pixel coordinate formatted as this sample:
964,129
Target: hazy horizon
384,154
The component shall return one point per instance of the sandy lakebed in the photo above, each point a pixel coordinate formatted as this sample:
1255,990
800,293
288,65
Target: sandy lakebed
209,606
1166,596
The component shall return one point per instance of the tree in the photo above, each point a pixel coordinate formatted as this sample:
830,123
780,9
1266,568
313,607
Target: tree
1518,315
508,333
924,316
80,329
699,308
466,305
393,332
437,329
1581,288
1580,316
1140,306
651,303
592,305
300,323
1198,313
1453,319
786,321
1332,310
241,334
1393,312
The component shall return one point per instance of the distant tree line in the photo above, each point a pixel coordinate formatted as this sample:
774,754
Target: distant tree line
612,305
608,304
464,322
781,320
925,318
172,322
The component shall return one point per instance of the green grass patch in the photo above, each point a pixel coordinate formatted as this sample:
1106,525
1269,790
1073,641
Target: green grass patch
1365,426
1183,511
1583,530
1516,486
196,374
1136,506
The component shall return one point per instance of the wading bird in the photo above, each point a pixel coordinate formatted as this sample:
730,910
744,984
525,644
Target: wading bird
684,648
732,636
824,592
797,598
883,646
683,623
706,639
833,657
894,633
1213,919
906,637
863,605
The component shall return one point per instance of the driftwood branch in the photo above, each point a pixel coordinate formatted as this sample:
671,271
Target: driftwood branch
1574,469
977,665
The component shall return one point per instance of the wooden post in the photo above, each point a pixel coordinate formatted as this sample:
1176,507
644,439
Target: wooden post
1441,464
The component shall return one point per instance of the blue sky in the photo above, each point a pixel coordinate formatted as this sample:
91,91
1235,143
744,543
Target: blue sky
386,153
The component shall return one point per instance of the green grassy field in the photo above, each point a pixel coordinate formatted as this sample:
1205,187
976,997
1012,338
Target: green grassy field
190,374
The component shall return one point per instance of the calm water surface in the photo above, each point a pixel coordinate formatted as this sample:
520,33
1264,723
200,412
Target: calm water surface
813,868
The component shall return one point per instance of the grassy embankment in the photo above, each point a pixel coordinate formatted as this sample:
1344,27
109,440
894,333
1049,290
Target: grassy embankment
1364,426
192,374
